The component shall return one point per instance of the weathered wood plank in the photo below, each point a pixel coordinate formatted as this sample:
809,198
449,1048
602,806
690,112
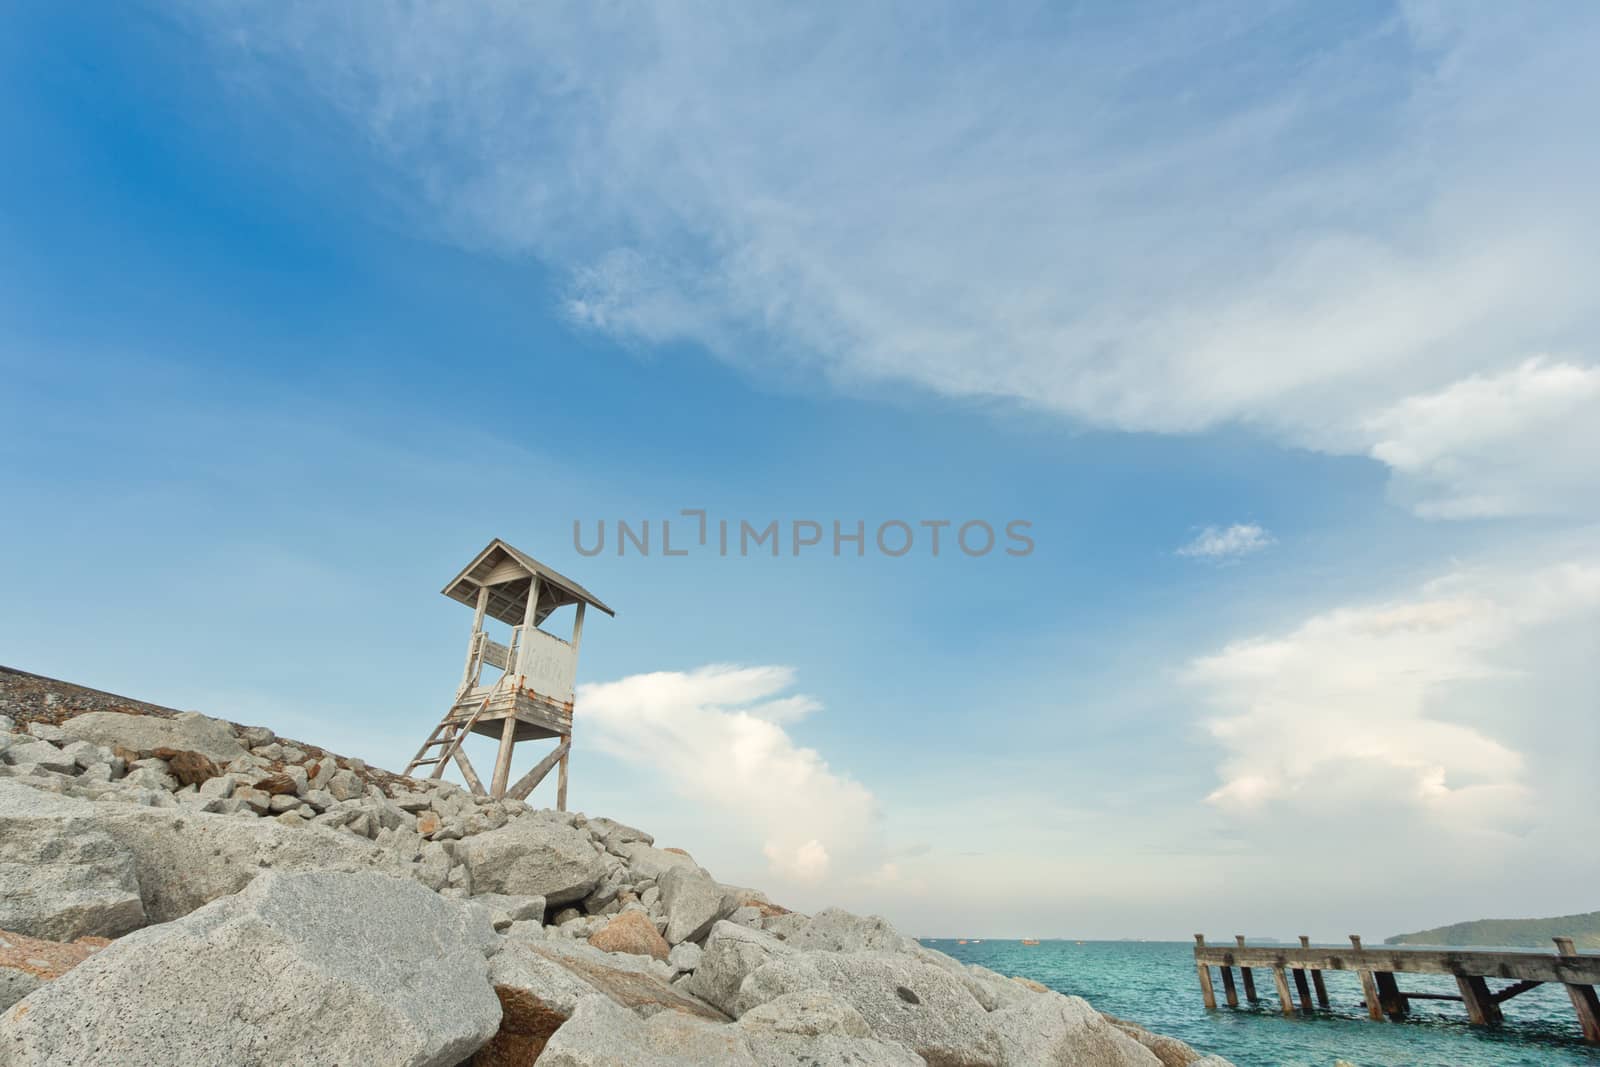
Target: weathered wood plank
530,781
1285,1001
502,759
1247,974
1481,1007
1369,993
465,765
1515,966
1303,988
1229,993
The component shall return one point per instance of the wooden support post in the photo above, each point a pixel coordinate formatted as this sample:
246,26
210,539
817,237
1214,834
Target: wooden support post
1316,976
530,781
1285,1001
1303,988
502,759
468,673
1248,975
1207,994
1228,991
1389,995
1481,1008
561,776
577,629
465,765
1369,987
1584,1001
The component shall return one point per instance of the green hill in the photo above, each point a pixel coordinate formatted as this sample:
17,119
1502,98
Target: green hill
1584,930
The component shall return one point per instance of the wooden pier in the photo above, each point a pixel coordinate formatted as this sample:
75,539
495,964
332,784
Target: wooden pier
1377,968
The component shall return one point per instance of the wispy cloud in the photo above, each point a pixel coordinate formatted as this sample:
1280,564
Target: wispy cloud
1221,544
1103,218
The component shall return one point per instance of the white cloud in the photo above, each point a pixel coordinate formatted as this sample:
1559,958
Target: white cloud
1221,544
1105,218
1523,441
1407,704
715,736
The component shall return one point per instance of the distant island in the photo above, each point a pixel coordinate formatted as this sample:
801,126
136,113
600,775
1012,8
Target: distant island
1584,930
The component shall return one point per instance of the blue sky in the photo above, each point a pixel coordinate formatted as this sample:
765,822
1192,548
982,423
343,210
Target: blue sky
1275,323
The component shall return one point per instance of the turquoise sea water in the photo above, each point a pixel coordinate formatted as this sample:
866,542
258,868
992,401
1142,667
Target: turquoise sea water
1154,984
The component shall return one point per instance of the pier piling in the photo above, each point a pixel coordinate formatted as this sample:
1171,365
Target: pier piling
1228,991
1247,975
1206,991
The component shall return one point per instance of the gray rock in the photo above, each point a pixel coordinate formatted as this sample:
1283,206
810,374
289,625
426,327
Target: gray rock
60,877
1049,1029
221,787
505,910
692,902
41,754
600,1033
784,927
533,857
803,1029
305,968
255,736
614,834
433,864
837,930
904,1000
15,984
646,863
732,952
46,732
606,892
189,731
541,984
184,859
257,800
687,956
344,785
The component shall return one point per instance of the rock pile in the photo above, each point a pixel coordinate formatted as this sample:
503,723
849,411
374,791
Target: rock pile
273,903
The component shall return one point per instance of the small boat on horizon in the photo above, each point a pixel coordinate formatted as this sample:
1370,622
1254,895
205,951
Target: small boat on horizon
963,941
1030,941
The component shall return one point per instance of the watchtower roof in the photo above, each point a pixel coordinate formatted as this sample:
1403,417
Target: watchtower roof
508,572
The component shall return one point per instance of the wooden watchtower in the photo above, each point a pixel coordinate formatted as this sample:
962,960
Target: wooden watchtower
529,695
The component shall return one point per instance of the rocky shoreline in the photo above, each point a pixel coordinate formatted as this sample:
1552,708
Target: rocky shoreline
180,889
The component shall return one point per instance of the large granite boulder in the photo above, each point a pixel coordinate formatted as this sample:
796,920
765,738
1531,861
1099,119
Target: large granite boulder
313,968
903,999
61,877
731,953
188,859
647,863
540,985
533,856
26,963
837,930
187,732
692,902
816,1028
1052,1030
614,835
602,1033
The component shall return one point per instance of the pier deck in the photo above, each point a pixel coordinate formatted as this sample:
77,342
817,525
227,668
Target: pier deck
1377,968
